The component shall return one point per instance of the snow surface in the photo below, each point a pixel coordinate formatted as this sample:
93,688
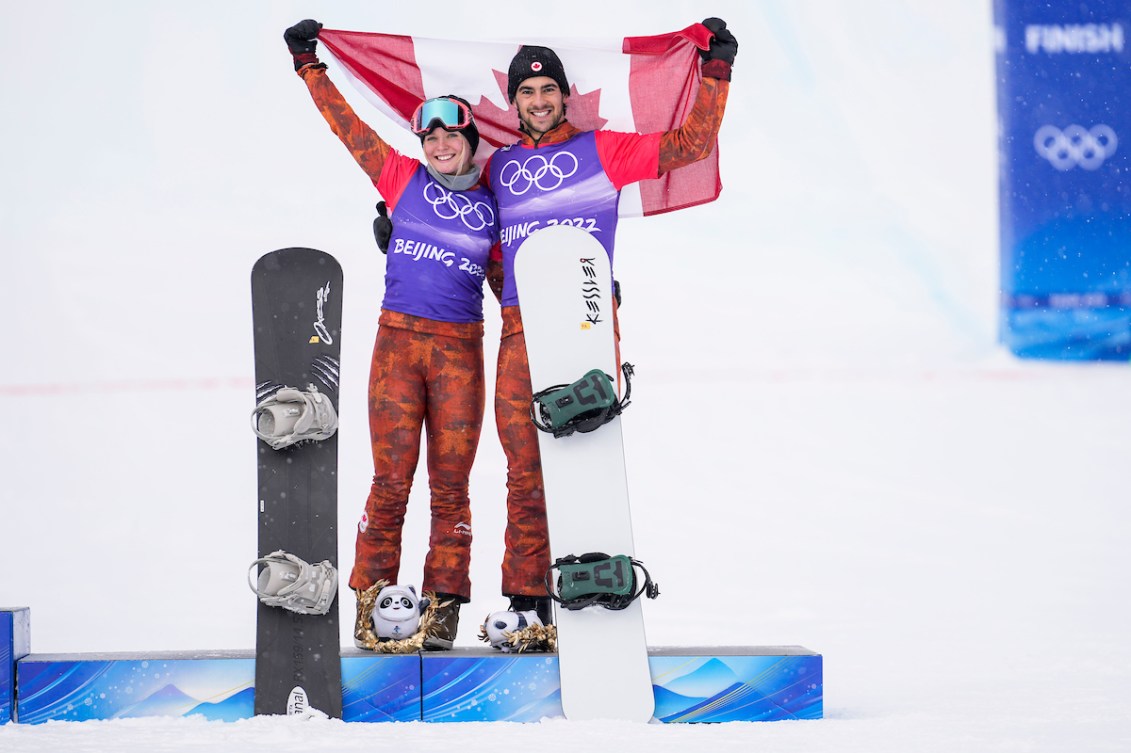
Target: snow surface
855,466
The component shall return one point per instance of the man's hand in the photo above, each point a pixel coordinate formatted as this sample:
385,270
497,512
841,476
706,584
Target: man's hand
382,227
719,57
723,45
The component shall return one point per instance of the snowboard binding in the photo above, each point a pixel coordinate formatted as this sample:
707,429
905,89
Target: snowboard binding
290,582
290,416
596,579
583,406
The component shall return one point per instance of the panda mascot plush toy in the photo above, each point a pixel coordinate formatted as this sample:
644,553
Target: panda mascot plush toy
517,632
396,614
499,626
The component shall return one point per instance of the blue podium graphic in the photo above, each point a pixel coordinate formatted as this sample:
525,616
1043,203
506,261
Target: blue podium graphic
72,688
705,684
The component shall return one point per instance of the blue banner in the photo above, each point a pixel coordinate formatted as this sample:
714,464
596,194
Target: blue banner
1064,104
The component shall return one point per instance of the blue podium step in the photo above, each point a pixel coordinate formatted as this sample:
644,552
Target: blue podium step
705,684
15,643
691,685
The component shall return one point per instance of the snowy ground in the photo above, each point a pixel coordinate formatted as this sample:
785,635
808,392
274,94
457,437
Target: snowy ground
862,471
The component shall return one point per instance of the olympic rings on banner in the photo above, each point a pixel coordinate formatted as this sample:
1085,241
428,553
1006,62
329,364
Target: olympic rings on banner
449,205
537,171
1075,146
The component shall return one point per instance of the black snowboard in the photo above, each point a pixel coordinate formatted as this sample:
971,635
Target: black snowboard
296,296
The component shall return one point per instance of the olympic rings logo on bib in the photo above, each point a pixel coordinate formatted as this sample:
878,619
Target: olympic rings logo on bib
1075,146
449,205
537,171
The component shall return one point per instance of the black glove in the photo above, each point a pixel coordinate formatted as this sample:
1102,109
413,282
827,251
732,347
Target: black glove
302,40
723,45
382,227
303,36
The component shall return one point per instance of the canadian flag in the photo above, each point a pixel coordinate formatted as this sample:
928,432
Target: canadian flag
642,84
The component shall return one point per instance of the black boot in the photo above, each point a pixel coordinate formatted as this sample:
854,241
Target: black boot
540,604
442,632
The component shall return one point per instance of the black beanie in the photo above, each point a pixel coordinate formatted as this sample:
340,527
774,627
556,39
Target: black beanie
469,131
531,61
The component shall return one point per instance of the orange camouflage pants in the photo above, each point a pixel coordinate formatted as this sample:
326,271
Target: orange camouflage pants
422,379
526,539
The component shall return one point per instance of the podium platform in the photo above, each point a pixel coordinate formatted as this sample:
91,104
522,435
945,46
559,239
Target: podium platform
691,684
15,643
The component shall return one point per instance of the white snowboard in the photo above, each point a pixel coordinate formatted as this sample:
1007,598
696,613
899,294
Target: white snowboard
565,291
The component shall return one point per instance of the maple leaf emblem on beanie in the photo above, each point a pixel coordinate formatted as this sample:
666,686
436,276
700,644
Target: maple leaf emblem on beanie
531,61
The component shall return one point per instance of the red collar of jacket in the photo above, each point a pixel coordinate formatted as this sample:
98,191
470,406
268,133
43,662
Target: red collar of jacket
561,132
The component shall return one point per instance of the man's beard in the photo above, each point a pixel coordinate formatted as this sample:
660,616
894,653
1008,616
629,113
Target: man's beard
525,127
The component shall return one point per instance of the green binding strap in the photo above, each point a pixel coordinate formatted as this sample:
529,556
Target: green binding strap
598,579
582,406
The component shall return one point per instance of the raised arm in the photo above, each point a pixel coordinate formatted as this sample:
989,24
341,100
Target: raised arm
369,150
693,140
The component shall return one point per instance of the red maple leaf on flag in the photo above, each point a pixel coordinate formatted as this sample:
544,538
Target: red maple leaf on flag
500,127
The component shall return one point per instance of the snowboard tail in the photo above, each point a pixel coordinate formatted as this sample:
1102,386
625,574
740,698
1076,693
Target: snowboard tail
297,315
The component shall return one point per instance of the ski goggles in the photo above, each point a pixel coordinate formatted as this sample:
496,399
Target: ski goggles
445,112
